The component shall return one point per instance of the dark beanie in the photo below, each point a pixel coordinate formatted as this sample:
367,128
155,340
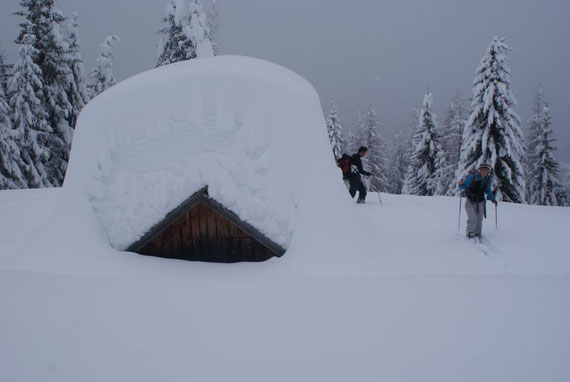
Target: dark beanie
362,149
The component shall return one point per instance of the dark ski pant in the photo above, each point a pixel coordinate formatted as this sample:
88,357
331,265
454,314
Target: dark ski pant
355,184
475,212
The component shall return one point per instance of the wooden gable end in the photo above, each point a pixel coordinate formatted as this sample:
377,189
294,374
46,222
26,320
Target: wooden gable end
203,230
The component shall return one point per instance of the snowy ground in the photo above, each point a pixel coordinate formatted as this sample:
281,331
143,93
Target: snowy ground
417,303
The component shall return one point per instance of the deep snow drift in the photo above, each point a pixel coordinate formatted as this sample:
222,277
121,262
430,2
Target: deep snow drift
252,131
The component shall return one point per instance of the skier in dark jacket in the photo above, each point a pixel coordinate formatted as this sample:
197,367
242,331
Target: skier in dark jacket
354,176
476,185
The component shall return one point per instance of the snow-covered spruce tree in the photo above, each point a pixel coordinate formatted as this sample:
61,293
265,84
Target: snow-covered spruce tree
355,135
492,133
78,93
211,31
174,45
184,34
5,70
532,133
563,191
544,184
198,31
399,162
426,174
32,131
52,57
412,140
10,162
351,142
451,134
101,77
375,158
334,129
564,179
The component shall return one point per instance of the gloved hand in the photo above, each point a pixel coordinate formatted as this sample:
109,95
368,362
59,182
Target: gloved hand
495,202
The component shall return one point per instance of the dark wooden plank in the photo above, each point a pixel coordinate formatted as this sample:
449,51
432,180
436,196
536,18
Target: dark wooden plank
211,233
195,226
211,219
223,237
149,249
203,222
235,231
204,245
166,239
176,239
258,251
186,233
235,244
246,248
157,244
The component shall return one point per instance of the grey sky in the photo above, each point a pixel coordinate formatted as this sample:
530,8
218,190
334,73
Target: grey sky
358,52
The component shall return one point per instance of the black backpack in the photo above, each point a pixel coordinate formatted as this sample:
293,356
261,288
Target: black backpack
344,163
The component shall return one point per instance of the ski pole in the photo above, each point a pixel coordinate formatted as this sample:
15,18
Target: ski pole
379,199
496,225
459,221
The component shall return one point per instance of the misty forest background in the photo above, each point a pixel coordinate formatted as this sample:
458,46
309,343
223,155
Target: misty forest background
45,89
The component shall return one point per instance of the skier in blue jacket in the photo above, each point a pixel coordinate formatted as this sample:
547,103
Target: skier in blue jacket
476,185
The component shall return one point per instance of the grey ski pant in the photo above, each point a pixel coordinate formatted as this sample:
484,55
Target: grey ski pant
475,213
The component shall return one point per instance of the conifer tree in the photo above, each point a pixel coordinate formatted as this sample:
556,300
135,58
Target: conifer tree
356,136
32,131
184,34
10,162
492,133
174,45
412,140
451,135
532,133
351,143
52,57
212,22
544,184
334,129
78,93
101,77
198,30
5,70
426,170
399,162
375,158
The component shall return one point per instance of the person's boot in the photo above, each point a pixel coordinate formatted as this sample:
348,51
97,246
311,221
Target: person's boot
471,235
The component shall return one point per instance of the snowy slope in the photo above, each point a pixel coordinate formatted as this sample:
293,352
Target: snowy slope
364,292
420,303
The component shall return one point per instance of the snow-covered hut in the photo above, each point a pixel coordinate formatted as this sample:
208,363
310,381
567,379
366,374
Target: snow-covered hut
197,159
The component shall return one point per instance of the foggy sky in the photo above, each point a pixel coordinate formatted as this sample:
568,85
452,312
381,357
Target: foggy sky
359,52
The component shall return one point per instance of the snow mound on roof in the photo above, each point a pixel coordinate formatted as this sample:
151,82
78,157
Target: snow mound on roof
252,131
